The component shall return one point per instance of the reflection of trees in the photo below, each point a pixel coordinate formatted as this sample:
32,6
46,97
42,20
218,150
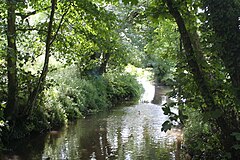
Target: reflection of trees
53,147
135,136
160,93
94,140
129,133
28,148
157,99
87,138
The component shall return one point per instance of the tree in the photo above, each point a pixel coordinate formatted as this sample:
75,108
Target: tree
11,109
52,25
49,40
227,120
223,19
199,61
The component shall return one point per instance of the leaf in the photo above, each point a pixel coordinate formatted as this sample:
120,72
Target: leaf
216,114
173,118
237,147
166,110
133,2
236,135
212,114
12,40
167,125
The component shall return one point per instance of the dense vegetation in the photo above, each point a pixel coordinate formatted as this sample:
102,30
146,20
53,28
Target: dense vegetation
206,75
71,97
59,63
191,45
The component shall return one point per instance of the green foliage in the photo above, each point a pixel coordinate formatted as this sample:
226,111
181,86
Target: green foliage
95,93
49,116
96,34
78,96
2,122
214,45
53,109
122,87
39,121
71,97
200,140
237,137
161,50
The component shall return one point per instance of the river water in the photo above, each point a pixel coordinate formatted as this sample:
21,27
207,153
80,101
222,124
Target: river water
125,133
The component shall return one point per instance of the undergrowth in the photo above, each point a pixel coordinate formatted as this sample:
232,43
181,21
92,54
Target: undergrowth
72,97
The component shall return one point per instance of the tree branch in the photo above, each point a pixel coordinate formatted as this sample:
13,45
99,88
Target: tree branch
33,96
31,29
195,69
60,24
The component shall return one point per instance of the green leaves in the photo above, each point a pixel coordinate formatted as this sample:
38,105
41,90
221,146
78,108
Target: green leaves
167,125
132,2
210,115
236,135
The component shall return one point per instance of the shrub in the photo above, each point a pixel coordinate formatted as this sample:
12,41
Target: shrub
94,93
200,141
53,109
122,87
72,97
57,117
83,96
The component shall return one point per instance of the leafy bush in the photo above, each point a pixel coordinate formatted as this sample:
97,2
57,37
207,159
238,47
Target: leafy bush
95,93
122,87
79,95
92,94
200,141
71,97
56,115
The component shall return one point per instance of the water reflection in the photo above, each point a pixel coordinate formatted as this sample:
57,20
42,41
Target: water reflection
160,97
126,133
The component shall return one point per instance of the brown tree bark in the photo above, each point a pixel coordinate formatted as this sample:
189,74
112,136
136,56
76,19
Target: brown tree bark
10,111
103,66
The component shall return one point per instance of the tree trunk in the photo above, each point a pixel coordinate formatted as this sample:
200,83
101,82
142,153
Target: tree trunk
227,123
103,66
10,111
39,87
190,56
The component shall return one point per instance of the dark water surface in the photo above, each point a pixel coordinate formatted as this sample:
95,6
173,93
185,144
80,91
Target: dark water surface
125,133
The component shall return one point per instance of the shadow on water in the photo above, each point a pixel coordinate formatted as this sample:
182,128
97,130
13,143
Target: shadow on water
125,133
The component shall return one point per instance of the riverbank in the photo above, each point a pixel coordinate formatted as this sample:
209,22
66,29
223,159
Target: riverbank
72,98
124,132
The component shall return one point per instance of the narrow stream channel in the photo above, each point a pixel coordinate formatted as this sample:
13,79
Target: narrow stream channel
125,133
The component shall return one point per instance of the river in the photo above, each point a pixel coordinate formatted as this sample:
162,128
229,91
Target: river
124,133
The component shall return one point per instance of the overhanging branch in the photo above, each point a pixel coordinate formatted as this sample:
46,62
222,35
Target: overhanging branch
60,24
31,29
